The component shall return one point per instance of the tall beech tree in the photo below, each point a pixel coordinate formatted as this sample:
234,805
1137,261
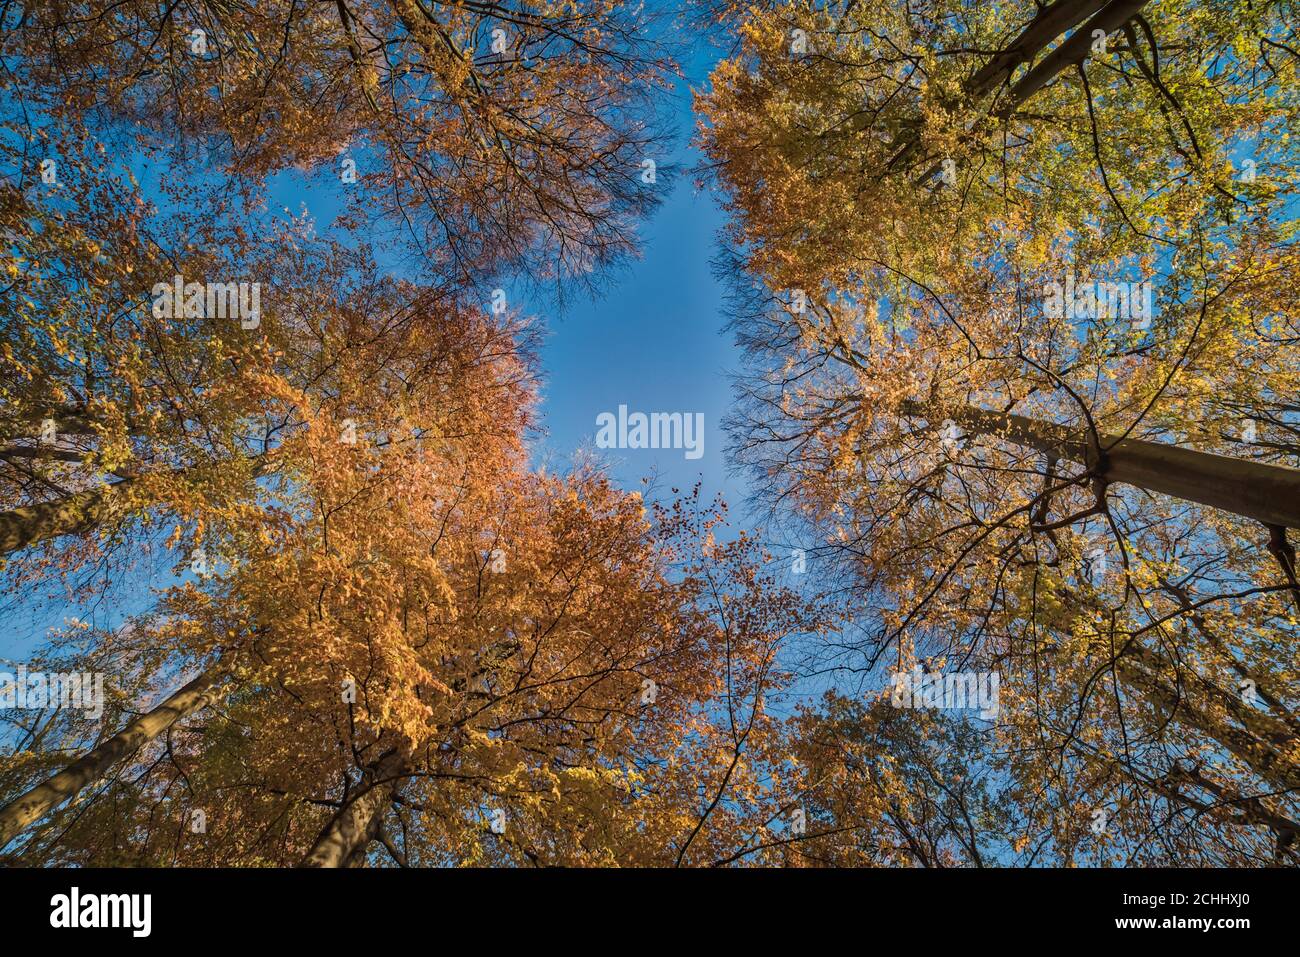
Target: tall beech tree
417,622
535,671
1054,490
812,122
389,365
477,133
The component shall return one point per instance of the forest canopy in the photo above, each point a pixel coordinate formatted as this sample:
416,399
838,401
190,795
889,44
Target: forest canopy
1018,406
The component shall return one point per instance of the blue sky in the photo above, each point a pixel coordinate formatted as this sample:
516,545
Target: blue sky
654,342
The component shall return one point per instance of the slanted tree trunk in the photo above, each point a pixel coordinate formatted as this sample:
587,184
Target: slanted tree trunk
68,420
23,811
1266,493
343,841
1072,51
80,512
1261,741
1259,744
1048,24
1229,807
74,514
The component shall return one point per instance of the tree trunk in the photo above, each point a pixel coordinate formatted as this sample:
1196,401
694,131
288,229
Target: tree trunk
80,512
343,840
73,515
1262,742
1074,50
1251,745
1049,23
1266,493
28,808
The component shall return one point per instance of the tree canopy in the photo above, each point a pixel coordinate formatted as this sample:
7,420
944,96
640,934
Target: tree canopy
1014,286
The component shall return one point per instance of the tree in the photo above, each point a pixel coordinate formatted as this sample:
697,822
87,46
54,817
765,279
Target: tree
390,366
517,677
481,135
793,134
1052,493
